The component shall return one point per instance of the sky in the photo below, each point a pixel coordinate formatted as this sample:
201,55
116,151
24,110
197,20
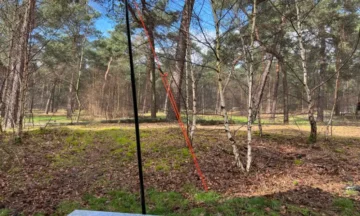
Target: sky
202,8
103,23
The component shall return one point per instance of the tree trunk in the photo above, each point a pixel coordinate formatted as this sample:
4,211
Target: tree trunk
151,68
310,107
78,79
223,111
104,97
250,77
48,102
268,97
336,95
53,98
20,69
187,76
145,95
322,72
180,56
259,123
194,98
263,81
166,104
286,94
275,92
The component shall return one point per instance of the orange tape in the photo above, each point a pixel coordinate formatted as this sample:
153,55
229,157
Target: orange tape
172,101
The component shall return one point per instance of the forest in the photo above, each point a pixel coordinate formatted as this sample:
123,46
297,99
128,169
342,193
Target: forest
246,107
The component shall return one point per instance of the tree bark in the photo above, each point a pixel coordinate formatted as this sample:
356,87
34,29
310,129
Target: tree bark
263,81
223,111
275,92
268,97
146,94
250,77
80,63
336,96
310,107
322,71
151,68
286,94
15,112
194,98
180,57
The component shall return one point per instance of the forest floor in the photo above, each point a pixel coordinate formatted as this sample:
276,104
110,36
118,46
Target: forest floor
53,171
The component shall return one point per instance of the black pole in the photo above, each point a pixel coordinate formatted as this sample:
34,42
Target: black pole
137,131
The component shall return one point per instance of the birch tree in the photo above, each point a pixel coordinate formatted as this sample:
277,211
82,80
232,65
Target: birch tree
223,110
250,77
308,92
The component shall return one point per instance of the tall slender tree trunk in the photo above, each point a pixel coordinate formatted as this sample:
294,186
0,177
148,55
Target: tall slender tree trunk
180,56
187,77
220,89
275,91
77,92
268,97
310,103
264,77
194,98
48,102
104,98
69,103
53,99
151,67
166,104
250,77
322,72
286,94
20,69
336,95
145,95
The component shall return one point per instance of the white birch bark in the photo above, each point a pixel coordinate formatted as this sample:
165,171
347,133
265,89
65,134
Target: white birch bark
194,111
223,111
78,80
312,121
250,77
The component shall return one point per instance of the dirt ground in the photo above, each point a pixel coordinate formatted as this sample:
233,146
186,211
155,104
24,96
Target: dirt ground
53,165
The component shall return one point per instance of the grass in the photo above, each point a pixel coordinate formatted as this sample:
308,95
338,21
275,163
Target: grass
5,212
197,203
72,148
346,206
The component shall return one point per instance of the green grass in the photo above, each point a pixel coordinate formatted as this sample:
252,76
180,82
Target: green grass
196,203
345,206
173,203
203,197
47,118
70,148
5,212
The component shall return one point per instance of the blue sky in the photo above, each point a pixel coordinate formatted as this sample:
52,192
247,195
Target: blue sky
201,7
103,23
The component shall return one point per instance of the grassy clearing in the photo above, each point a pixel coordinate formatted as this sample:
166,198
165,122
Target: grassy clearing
94,167
40,118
